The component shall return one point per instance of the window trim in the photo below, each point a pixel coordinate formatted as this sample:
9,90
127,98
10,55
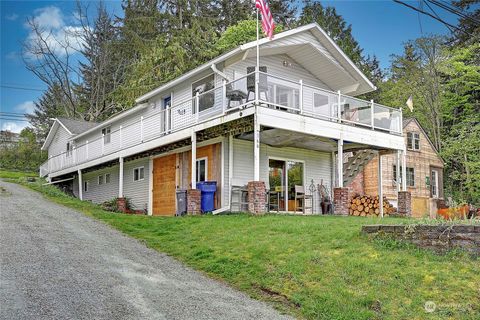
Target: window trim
109,134
138,168
206,168
413,139
102,180
413,170
435,195
69,149
86,186
109,178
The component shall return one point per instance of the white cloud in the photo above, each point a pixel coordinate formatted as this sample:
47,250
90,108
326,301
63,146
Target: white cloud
26,107
12,55
62,39
16,127
12,17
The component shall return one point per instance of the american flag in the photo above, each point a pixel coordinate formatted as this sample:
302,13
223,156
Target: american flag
268,25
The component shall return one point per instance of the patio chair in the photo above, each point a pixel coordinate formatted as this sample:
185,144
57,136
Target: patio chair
301,197
262,84
234,95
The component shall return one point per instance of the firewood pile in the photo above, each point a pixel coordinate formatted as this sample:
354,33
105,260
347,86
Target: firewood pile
368,206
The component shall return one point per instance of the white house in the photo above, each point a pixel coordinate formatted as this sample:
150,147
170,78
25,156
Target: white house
283,126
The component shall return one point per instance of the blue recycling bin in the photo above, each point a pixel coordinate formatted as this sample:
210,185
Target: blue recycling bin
208,189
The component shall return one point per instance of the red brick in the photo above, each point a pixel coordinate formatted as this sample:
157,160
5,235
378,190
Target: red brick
257,197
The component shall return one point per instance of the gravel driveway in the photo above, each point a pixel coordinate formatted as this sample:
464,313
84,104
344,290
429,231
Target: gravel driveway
57,263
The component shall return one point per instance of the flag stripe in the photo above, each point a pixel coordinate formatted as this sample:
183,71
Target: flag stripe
268,25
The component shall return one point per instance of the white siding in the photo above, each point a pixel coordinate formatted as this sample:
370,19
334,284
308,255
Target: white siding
318,164
59,142
136,191
99,193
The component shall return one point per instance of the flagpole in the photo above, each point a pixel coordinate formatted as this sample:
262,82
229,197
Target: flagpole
257,75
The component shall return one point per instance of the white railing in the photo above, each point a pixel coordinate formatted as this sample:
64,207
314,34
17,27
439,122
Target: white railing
274,92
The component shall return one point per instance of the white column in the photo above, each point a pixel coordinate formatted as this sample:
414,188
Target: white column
301,96
334,173
256,148
80,184
397,178
340,163
380,183
230,167
120,178
150,186
404,170
194,160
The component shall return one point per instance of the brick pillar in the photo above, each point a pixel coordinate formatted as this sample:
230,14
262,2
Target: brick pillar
122,205
194,201
257,199
404,203
340,200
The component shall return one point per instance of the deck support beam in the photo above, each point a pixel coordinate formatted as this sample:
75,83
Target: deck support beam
194,160
404,170
120,177
340,163
380,186
80,184
230,168
397,178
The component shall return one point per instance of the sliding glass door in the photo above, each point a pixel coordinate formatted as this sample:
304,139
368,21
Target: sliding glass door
284,175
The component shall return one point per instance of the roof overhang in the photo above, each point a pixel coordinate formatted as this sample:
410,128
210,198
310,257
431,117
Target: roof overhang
355,81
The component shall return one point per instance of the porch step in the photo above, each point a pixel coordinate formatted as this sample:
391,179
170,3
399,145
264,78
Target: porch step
355,163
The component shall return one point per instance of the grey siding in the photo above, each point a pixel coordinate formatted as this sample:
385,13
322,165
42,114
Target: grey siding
136,191
99,193
59,142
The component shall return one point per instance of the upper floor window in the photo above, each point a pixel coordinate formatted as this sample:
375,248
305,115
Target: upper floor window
106,133
413,141
69,149
206,100
138,174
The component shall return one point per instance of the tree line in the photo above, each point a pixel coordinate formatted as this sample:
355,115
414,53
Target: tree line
155,41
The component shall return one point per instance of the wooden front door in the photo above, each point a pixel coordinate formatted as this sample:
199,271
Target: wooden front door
164,186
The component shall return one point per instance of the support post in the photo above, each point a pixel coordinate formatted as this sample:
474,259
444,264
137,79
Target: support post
397,178
380,184
120,177
339,106
120,137
256,147
103,144
340,163
194,160
372,114
404,170
197,106
224,95
301,97
80,184
334,173
86,145
230,168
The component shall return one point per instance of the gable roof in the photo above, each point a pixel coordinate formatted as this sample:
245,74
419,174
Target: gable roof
406,121
72,126
344,61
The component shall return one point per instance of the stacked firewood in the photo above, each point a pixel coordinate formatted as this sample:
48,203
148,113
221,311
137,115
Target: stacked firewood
367,206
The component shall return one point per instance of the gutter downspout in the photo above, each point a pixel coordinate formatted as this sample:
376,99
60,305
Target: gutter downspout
220,73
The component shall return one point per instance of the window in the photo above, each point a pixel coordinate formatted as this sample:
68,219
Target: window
100,180
410,176
85,186
206,100
69,149
138,174
202,169
434,183
106,133
107,178
413,141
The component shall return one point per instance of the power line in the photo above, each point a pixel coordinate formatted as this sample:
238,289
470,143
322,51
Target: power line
455,11
451,30
432,16
21,88
7,119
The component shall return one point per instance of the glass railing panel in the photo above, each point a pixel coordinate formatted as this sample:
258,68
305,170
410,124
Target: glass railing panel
210,103
356,110
387,118
237,93
279,92
319,103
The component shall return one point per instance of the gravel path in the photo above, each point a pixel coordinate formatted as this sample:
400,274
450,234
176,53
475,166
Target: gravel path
56,263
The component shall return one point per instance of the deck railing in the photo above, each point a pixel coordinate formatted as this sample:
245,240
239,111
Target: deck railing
274,92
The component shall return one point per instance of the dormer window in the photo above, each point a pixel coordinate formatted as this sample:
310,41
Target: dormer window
413,141
106,133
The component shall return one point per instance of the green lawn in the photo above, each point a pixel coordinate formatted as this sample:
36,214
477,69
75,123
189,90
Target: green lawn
317,267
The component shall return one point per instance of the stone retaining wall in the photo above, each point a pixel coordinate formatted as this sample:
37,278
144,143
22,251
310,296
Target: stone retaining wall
439,238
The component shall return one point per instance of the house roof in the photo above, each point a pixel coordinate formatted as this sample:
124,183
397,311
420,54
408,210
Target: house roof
349,68
72,126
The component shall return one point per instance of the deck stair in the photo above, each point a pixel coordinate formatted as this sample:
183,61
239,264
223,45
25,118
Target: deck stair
355,164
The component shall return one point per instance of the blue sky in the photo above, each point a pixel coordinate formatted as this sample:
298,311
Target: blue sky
381,27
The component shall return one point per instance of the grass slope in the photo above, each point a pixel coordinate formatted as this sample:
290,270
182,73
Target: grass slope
317,267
